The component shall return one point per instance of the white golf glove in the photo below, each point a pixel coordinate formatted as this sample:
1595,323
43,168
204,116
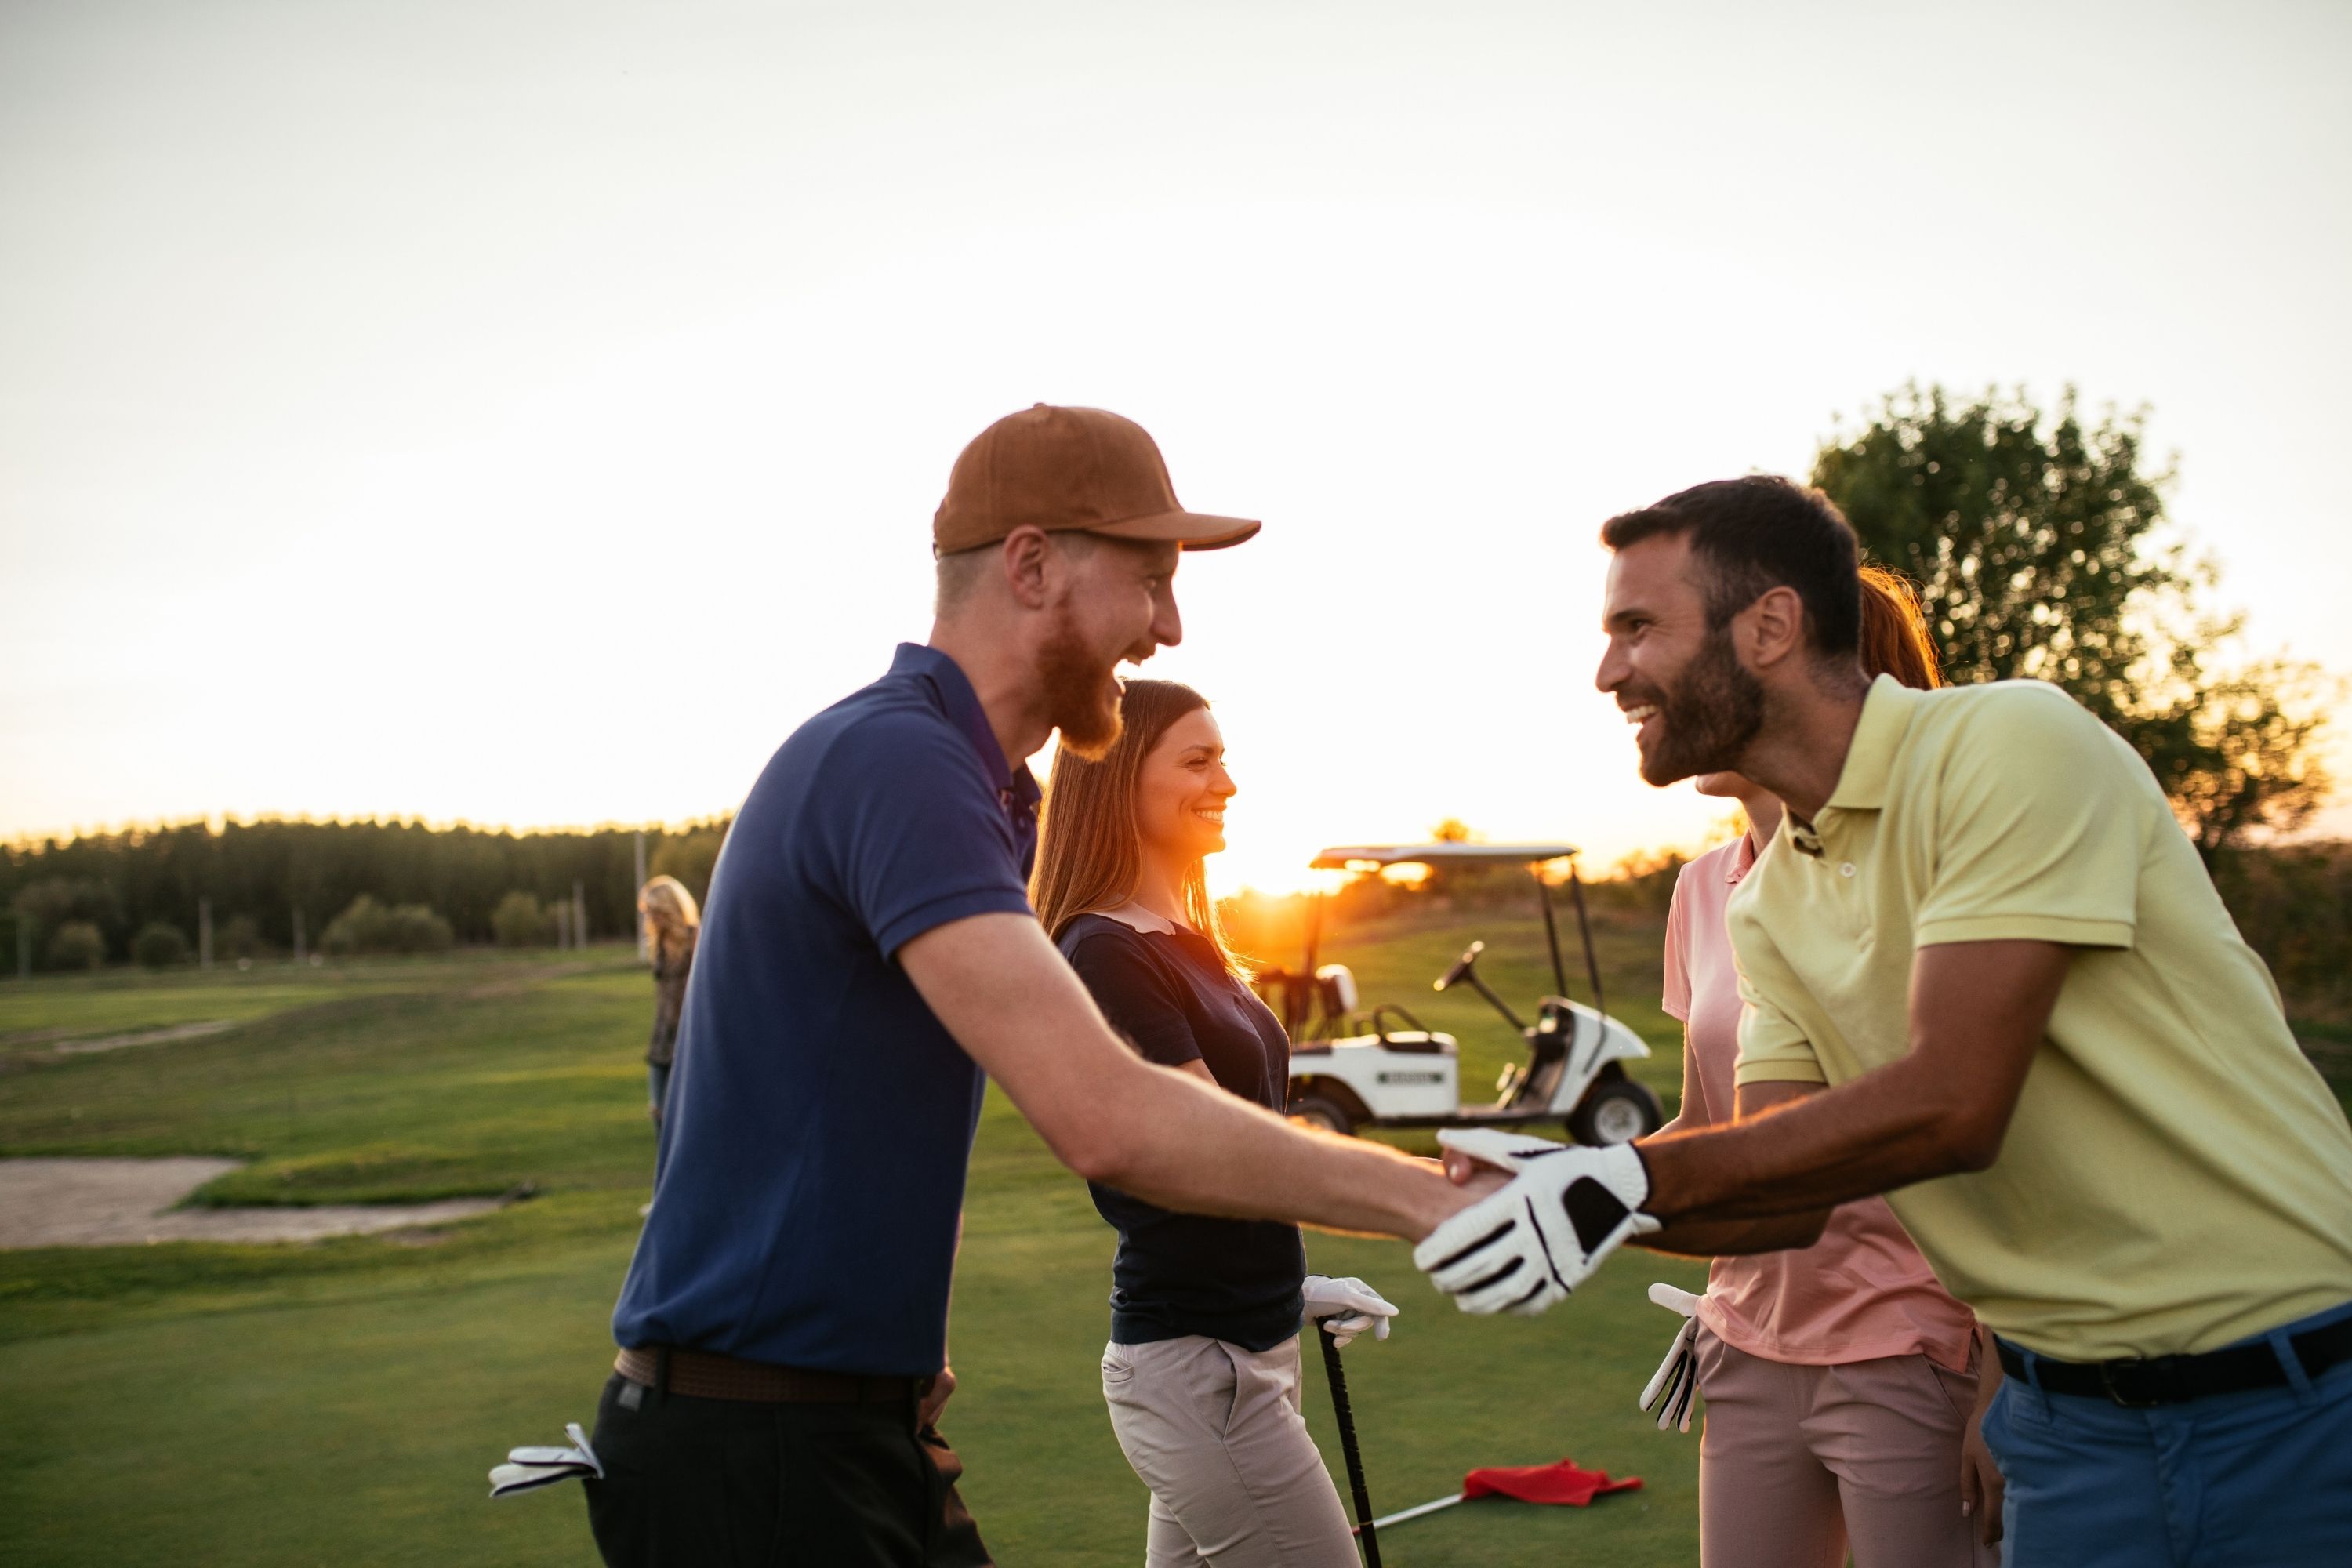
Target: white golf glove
1670,1388
1523,1247
527,1469
1347,1307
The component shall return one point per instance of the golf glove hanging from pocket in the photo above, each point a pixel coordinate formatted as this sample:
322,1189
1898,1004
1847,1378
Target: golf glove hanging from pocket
529,1469
1670,1391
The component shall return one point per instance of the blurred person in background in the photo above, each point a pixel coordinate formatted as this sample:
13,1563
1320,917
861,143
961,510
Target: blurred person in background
1201,1372
1843,1382
672,923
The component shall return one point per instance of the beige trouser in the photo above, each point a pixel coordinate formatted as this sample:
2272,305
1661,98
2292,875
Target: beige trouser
1799,1463
1214,1431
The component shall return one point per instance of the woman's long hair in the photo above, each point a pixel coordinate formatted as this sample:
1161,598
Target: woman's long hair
671,918
1894,639
1089,849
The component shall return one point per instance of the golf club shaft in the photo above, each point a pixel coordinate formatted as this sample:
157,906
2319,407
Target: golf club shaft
1346,1418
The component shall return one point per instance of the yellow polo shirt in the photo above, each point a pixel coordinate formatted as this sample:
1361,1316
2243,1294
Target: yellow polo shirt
2177,1176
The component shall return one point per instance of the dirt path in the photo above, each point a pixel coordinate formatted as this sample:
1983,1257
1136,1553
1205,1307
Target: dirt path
146,1037
118,1202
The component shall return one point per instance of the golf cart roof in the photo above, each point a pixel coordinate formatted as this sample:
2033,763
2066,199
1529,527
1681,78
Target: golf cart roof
1340,857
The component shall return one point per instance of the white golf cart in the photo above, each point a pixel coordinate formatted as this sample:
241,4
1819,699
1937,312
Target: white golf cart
1351,1069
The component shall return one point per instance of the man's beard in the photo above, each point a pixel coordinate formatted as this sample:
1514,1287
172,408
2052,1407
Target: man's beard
1715,709
1081,699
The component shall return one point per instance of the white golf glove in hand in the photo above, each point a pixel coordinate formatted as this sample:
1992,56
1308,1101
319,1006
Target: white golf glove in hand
1347,1307
1523,1247
1670,1388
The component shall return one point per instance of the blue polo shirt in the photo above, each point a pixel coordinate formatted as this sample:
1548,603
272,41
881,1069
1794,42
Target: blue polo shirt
820,1119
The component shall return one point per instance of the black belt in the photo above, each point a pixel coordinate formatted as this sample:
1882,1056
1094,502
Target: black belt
2141,1384
706,1375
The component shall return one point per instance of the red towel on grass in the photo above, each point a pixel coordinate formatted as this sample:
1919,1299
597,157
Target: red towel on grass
1561,1482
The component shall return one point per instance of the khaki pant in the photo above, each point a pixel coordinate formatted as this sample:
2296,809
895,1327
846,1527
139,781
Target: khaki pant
1214,1431
1798,1463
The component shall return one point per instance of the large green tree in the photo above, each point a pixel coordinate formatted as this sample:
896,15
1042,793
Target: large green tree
2038,545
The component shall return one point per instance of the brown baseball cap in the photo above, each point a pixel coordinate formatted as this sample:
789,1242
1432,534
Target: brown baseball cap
1069,468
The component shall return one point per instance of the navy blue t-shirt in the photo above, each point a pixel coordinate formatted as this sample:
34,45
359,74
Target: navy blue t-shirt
1178,1274
820,1117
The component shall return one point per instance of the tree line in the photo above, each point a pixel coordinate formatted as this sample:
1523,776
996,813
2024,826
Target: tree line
2036,538
262,878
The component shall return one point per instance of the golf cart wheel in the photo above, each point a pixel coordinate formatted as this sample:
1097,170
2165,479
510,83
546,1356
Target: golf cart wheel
1324,1114
1615,1111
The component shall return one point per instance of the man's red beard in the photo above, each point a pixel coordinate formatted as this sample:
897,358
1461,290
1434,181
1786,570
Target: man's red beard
1081,697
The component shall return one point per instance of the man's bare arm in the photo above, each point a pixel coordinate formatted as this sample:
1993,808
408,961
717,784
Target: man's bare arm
1739,1237
1718,1238
1166,1136
1980,1011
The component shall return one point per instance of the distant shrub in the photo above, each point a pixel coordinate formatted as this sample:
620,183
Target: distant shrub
691,855
53,901
366,926
240,937
159,945
520,921
76,944
1640,884
2292,904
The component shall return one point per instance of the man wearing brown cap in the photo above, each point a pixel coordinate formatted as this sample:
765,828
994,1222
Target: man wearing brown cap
867,955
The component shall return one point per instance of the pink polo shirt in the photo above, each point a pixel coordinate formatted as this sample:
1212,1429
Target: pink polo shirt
1862,1290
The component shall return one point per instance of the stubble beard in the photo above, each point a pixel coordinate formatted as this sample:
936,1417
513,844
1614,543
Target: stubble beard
1712,712
1081,699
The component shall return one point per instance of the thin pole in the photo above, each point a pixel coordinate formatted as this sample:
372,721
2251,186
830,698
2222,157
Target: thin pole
641,888
1584,924
1551,930
1367,1528
1403,1514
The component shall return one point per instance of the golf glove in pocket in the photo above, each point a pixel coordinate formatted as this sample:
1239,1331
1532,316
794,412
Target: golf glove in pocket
1532,1244
527,1469
1670,1390
1347,1307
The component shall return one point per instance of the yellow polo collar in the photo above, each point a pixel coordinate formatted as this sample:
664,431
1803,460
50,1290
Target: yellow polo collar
1877,736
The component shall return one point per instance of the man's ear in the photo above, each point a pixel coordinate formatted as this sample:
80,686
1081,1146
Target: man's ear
1771,630
1027,558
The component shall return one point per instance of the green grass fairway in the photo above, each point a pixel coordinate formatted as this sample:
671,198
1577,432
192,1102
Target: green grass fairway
340,1402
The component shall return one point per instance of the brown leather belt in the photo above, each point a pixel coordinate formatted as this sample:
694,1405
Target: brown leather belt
706,1375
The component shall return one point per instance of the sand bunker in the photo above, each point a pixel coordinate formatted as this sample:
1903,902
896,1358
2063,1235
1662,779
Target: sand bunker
118,1202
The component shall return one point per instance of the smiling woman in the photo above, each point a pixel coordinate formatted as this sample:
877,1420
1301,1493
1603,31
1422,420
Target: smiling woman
1137,824
1202,1373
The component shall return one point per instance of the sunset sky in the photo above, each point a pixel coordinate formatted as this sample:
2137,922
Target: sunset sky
526,412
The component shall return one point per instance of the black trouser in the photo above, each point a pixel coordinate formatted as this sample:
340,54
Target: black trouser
729,1484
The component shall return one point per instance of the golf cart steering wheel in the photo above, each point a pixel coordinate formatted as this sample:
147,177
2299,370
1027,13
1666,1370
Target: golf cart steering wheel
1461,966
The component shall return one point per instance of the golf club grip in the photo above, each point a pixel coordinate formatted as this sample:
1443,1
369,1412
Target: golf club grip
1347,1419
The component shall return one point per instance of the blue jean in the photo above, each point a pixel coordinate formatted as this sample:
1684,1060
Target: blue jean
2261,1479
658,1086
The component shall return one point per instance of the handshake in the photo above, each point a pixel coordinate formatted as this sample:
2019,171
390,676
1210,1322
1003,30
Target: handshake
1528,1245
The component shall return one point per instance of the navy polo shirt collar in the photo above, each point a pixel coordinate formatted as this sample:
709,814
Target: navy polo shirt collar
1016,788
